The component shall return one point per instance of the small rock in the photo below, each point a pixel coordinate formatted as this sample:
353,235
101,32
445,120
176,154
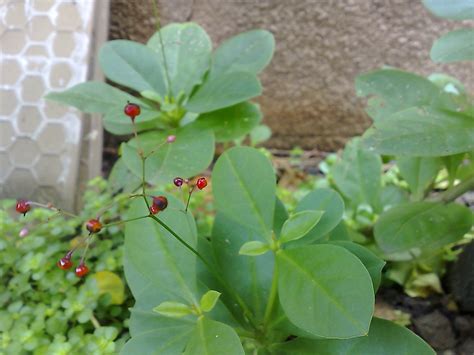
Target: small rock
466,348
436,329
464,325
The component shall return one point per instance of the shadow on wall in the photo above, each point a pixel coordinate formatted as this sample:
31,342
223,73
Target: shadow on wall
322,45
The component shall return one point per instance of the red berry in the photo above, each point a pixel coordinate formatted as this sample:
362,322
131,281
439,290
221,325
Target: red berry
93,226
22,206
154,209
178,182
132,110
81,270
161,202
201,183
65,263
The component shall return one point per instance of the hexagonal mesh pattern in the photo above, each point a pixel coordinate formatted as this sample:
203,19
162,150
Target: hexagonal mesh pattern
45,46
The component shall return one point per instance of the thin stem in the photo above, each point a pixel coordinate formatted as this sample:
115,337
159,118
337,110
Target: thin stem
224,283
165,63
453,193
189,197
144,183
123,221
52,208
88,242
135,133
95,322
273,295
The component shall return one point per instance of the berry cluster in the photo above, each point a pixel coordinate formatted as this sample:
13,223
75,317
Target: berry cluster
94,225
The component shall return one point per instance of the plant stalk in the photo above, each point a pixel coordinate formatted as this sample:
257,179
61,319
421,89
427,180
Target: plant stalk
273,295
456,191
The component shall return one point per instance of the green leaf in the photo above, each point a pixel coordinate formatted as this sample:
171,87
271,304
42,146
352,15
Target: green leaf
419,173
421,225
121,178
249,51
223,91
188,155
394,90
358,174
209,300
111,283
454,46
280,216
260,134
326,200
325,290
245,206
247,198
133,65
231,122
422,132
158,268
92,96
254,248
384,337
187,49
116,122
453,9
210,337
299,224
173,309
372,263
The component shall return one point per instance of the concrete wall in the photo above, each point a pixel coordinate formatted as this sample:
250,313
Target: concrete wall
309,98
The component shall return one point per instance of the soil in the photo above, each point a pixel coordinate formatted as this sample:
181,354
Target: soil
436,319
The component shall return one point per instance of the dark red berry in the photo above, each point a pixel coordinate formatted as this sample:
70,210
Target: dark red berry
178,182
154,209
22,206
65,263
93,226
161,202
81,270
132,110
201,183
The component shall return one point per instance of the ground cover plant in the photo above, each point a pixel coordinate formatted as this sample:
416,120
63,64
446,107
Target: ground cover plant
47,311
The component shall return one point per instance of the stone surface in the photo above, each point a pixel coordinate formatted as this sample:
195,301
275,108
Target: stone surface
436,329
322,45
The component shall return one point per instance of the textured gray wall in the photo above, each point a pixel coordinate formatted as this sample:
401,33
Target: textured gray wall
321,46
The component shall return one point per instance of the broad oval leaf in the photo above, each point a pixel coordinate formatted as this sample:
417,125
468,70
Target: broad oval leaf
210,337
421,225
249,51
116,122
92,97
245,204
454,46
384,337
188,155
422,132
187,49
326,200
358,175
325,290
244,188
224,90
453,9
299,224
158,268
133,65
394,90
231,122
372,263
